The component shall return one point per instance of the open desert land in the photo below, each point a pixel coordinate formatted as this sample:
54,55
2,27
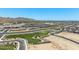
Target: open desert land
72,36
62,43
57,43
46,46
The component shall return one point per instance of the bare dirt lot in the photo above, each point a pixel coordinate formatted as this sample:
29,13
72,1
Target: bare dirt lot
62,43
58,43
46,46
72,36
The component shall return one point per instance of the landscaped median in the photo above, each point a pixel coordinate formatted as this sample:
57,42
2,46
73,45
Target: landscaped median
7,47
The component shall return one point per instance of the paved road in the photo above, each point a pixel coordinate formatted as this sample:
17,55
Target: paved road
17,33
1,35
22,43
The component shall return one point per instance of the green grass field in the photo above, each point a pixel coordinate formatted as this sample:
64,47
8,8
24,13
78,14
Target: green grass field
7,47
29,37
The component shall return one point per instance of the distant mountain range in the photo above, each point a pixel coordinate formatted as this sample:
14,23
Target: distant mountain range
18,19
30,20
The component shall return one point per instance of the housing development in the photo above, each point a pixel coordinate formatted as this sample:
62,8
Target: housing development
29,34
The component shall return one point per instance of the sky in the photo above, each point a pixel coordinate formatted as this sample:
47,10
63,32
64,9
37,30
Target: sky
42,13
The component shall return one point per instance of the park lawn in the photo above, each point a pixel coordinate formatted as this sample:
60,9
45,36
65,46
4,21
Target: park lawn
29,37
